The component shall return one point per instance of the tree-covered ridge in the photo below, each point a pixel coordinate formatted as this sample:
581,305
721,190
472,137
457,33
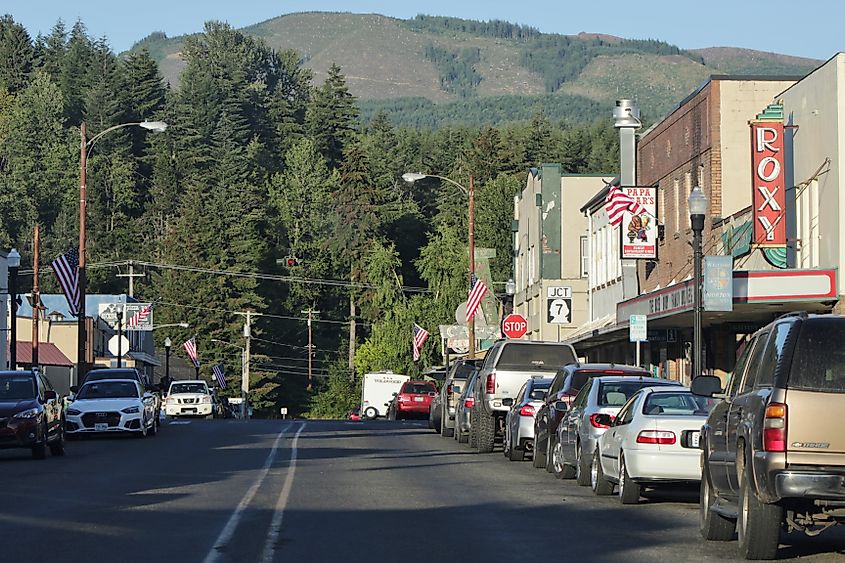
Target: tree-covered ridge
493,28
458,74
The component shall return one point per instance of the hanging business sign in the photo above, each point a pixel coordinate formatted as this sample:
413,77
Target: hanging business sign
768,184
639,224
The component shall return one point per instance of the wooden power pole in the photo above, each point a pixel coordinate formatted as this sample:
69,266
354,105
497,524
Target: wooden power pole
310,312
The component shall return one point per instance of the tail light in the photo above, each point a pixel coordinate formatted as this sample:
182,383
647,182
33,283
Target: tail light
400,398
661,437
490,384
774,428
596,424
469,402
449,389
526,410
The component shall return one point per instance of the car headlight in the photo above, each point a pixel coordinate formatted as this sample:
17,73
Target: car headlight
28,413
73,412
206,400
131,410
171,401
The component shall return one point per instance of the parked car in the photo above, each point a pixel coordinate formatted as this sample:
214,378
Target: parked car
773,446
568,380
443,407
100,374
463,410
413,399
354,414
189,398
652,442
506,367
519,422
111,406
378,390
581,426
30,414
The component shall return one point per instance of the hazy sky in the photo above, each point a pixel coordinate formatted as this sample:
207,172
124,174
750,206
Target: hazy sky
809,28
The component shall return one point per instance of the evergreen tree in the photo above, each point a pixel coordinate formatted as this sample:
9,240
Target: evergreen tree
74,68
332,117
17,55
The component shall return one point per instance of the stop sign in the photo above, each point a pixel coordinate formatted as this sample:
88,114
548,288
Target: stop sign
514,326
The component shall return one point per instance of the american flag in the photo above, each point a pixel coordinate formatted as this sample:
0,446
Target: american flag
618,202
420,335
190,347
476,292
219,375
140,316
66,268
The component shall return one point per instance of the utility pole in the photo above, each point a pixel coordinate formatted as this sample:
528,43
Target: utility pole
81,336
471,205
36,299
352,332
245,377
131,275
310,312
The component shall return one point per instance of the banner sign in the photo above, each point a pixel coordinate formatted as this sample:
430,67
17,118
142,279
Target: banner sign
767,172
639,224
718,283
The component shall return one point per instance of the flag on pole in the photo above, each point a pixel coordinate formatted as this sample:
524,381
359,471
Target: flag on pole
420,335
140,316
476,292
219,375
190,347
66,268
618,202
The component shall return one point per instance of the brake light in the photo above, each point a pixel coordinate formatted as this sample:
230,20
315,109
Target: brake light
774,428
469,402
660,437
596,424
490,384
400,398
526,410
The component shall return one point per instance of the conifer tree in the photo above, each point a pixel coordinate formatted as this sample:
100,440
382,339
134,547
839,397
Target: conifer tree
332,117
17,55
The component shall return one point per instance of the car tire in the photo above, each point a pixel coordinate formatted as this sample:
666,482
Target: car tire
486,433
550,448
39,450
370,413
562,470
461,436
539,460
582,467
445,431
758,525
57,448
391,414
629,491
599,483
473,428
516,454
712,525
153,430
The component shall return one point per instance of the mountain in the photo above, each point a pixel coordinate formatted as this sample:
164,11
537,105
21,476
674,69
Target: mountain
431,70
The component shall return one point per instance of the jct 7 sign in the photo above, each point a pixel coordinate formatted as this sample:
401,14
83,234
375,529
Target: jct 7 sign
767,174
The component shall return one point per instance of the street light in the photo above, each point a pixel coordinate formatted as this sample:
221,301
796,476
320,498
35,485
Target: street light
167,344
697,203
119,311
412,177
14,262
85,147
244,375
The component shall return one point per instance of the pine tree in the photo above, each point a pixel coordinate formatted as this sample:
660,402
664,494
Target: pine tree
17,55
332,117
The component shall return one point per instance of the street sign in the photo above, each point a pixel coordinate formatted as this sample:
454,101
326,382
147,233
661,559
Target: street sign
514,326
108,314
559,305
461,315
124,346
637,328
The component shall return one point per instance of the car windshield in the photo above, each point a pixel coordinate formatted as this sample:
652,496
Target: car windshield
617,393
99,374
189,388
534,356
541,384
108,390
819,363
17,388
463,371
418,388
681,403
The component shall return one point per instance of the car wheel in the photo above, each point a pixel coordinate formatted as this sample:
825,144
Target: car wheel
445,431
143,432
758,525
370,413
550,448
57,448
562,471
506,448
391,414
629,491
539,457
39,450
600,485
153,429
713,526
486,433
516,454
582,467
461,436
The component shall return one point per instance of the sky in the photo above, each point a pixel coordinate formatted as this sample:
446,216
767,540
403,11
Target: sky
808,28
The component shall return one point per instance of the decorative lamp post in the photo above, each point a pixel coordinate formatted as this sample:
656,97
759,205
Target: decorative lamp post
167,344
14,262
697,208
119,333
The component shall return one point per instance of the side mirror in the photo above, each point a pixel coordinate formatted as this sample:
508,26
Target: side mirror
507,402
538,395
706,385
74,389
604,419
50,395
394,394
561,406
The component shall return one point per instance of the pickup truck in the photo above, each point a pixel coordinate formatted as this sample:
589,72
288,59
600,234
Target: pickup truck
507,365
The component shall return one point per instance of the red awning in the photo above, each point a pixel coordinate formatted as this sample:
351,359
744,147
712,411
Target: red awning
48,354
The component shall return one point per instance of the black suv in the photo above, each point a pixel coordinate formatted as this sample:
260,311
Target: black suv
774,447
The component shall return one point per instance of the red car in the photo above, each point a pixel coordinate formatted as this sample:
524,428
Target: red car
413,399
30,414
354,414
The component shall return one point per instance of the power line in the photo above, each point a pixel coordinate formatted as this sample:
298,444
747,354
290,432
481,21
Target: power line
257,314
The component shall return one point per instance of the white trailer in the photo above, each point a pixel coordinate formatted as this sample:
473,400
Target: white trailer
378,390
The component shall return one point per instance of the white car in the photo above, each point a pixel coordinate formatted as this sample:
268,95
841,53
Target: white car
189,398
652,441
111,406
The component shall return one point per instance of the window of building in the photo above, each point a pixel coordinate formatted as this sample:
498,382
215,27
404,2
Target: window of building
676,195
585,257
687,191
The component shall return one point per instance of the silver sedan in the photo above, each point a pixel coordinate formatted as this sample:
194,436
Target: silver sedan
519,422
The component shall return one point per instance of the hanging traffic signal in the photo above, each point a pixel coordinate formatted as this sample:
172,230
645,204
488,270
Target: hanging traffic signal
291,261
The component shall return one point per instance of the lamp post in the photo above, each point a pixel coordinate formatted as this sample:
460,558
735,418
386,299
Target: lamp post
119,332
85,147
412,177
14,262
697,203
167,344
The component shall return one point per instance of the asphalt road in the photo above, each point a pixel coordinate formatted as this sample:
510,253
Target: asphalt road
225,491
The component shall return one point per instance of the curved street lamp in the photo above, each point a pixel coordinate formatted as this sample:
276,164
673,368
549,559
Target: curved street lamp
84,149
412,177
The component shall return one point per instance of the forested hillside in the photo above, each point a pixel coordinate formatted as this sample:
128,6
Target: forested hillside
261,161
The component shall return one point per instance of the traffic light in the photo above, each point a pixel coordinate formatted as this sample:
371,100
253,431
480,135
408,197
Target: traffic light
291,261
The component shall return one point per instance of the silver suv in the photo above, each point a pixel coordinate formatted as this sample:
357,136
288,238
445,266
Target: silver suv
444,405
506,367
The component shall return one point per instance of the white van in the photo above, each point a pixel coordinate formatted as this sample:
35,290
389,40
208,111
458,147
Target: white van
378,390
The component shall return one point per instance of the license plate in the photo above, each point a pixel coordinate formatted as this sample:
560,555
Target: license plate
101,427
418,399
693,438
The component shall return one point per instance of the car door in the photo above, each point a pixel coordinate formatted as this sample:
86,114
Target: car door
569,424
547,411
611,441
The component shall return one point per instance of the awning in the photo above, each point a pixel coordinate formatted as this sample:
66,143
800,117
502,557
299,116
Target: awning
48,354
587,330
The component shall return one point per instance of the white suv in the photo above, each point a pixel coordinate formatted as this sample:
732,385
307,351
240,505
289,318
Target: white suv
189,398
